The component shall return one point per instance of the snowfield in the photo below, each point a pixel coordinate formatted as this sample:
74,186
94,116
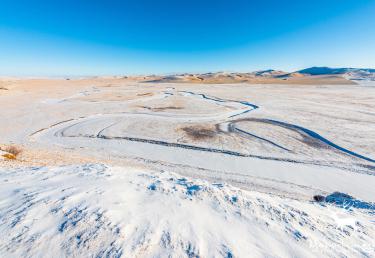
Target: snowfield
113,167
94,210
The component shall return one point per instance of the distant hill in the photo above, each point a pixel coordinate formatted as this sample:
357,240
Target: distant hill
350,73
312,75
323,70
268,73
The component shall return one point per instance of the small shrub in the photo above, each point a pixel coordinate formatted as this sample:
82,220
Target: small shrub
13,150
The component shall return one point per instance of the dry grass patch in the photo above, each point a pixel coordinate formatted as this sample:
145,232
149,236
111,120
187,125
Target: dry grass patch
145,94
11,152
156,109
199,132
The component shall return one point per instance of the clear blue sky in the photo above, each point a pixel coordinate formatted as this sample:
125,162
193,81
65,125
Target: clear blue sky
91,37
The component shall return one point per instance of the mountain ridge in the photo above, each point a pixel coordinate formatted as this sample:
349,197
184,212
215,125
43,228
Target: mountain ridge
324,70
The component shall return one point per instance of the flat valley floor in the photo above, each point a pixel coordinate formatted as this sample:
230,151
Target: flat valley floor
114,167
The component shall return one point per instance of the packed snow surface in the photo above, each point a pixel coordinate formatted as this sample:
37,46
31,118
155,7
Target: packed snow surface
94,210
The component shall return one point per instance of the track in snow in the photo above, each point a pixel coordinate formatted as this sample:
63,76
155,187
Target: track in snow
226,119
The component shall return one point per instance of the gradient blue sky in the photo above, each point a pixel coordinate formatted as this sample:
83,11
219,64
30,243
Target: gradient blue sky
143,36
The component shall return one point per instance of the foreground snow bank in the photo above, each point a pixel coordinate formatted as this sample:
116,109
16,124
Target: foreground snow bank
99,211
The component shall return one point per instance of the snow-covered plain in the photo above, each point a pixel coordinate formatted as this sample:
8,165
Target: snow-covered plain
187,170
99,211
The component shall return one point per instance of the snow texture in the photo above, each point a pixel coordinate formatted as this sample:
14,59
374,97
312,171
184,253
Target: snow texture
94,210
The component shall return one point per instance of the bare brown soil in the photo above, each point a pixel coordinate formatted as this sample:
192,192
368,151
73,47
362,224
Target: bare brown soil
156,109
199,132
